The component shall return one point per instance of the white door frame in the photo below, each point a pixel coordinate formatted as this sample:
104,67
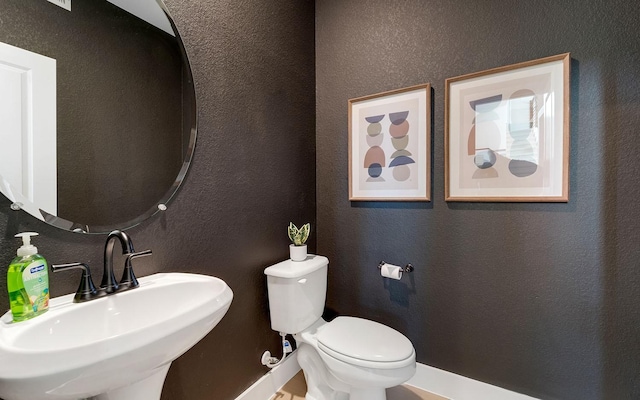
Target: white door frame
28,172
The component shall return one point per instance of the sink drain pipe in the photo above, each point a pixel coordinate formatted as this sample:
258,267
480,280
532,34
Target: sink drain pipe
271,362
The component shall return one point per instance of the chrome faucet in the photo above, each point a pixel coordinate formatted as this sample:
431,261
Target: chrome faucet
109,285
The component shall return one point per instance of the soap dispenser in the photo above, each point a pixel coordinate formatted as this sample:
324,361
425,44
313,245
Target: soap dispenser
28,281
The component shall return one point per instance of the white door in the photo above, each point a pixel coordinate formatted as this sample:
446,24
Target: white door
28,172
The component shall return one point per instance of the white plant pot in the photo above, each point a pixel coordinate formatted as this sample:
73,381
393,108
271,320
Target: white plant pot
298,253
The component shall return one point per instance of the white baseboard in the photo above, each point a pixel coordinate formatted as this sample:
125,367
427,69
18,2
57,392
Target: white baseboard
273,380
458,387
437,381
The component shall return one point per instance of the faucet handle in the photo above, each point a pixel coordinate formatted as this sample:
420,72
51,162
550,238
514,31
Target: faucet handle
137,254
129,280
87,290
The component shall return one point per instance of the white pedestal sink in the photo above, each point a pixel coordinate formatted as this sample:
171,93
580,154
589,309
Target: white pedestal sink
117,347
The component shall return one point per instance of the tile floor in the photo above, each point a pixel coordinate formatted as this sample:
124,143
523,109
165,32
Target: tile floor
296,388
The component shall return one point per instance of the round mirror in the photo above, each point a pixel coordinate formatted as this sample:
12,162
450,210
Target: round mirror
100,105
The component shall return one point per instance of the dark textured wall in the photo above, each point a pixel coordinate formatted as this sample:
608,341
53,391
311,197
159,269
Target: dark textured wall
119,105
253,172
537,298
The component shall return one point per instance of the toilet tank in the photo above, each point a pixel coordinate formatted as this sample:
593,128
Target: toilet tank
297,291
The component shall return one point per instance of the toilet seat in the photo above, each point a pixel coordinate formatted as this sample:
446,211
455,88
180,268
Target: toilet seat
365,343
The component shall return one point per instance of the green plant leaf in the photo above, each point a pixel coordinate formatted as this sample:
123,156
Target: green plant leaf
298,236
304,232
292,230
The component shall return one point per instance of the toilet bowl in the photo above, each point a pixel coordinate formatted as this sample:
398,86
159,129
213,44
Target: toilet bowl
348,358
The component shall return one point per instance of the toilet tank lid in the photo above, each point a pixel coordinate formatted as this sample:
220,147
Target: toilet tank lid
296,269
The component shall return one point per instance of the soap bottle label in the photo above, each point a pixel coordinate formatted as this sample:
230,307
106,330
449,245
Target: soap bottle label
36,284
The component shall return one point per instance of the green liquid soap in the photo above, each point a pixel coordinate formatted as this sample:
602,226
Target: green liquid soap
28,282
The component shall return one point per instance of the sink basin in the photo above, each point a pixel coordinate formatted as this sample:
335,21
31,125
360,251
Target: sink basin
115,347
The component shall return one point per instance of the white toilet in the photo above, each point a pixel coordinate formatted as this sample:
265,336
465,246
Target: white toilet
347,358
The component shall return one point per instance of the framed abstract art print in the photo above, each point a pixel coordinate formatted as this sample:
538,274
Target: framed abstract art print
389,145
507,133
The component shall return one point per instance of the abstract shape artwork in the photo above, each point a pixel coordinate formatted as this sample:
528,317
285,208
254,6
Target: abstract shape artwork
399,131
389,145
507,133
485,158
374,159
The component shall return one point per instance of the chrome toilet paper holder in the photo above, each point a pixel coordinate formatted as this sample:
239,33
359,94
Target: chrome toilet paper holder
406,269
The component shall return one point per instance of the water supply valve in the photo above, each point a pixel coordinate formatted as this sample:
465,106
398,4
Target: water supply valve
267,360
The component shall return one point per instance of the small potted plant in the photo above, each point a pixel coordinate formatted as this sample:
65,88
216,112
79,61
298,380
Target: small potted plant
298,248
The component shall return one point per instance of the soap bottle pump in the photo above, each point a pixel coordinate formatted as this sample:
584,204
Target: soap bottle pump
28,281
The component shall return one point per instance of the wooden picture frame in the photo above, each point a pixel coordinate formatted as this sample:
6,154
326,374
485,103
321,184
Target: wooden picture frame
390,145
507,133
